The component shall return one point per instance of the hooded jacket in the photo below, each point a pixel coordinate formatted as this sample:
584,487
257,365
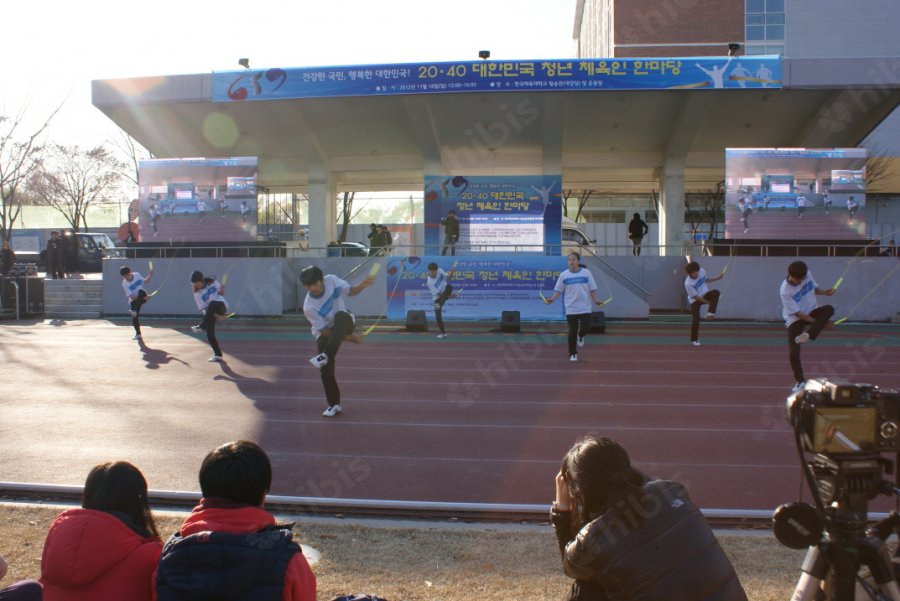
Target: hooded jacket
669,555
226,550
92,555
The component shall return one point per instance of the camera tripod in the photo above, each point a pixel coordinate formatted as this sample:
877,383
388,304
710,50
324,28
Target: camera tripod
831,567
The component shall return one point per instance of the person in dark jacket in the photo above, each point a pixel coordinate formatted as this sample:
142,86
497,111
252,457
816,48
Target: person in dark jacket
24,590
623,537
451,233
637,229
109,548
229,547
7,258
55,257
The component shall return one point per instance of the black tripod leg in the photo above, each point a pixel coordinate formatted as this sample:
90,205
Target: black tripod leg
875,554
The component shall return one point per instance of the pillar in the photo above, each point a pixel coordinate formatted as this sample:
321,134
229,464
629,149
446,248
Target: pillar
322,211
671,206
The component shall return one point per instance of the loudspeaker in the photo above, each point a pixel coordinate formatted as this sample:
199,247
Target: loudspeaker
598,322
509,321
416,321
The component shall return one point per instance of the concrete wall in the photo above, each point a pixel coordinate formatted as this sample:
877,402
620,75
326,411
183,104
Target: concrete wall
870,291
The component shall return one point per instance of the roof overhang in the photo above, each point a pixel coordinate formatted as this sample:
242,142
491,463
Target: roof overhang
603,139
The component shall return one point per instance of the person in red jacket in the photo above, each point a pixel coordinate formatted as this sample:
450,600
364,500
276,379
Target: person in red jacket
110,547
229,547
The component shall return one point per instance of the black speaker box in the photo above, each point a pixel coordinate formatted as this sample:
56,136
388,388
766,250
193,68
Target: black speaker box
509,322
598,322
416,321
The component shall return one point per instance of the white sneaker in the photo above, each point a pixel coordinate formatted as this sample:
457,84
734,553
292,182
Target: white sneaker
136,337
320,360
215,359
746,230
710,316
332,411
695,342
802,338
798,387
441,336
580,341
573,358
132,313
196,329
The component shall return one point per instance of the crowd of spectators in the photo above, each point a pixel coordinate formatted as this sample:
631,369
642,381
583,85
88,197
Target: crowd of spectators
620,534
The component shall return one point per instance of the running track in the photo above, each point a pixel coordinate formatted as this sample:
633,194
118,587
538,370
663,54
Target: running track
478,417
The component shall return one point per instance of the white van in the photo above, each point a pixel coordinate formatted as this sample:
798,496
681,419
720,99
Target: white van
574,238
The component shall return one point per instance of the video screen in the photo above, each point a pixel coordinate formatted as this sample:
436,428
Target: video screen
795,193
844,429
197,200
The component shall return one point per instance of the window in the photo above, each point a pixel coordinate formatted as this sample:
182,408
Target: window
764,21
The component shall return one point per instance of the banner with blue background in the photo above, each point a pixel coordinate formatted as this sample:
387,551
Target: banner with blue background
495,213
688,73
484,287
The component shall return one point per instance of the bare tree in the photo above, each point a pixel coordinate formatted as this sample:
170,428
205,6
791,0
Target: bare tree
879,167
583,196
72,179
704,210
20,157
346,214
133,154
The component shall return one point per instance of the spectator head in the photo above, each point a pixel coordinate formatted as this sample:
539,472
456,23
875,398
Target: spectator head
451,213
692,268
373,226
637,216
119,486
797,271
124,271
238,471
54,234
599,474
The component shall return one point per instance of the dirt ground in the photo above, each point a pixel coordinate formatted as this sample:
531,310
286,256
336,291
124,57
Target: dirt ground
430,562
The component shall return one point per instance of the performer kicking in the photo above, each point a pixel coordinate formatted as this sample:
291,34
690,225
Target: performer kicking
441,290
133,285
699,294
208,294
798,298
331,324
578,286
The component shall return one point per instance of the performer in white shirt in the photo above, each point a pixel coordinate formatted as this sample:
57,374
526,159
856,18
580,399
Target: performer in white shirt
579,288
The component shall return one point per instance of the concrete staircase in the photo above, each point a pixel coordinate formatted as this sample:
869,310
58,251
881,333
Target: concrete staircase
73,299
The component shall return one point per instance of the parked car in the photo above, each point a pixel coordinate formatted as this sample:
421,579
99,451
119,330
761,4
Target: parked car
348,249
93,247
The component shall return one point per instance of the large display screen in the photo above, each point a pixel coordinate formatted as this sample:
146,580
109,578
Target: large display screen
494,213
197,200
795,193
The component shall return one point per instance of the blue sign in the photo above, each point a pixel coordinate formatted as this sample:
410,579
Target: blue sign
499,76
495,214
483,287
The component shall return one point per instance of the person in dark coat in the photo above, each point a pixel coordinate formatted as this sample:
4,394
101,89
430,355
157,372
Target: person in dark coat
7,258
451,233
624,537
637,229
55,256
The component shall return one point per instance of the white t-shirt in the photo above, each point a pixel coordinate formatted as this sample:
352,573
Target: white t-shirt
208,294
437,285
801,201
201,206
696,286
800,298
576,288
134,286
320,310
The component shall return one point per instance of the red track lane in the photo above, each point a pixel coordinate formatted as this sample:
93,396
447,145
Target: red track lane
477,418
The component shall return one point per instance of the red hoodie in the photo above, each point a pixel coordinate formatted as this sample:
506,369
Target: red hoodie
93,556
299,580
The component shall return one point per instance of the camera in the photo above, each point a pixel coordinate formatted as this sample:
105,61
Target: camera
837,417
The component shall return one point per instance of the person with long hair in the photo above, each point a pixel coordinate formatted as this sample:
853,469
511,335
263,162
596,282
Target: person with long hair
109,548
623,536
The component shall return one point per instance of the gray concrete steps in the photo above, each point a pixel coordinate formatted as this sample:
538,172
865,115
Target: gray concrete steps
73,299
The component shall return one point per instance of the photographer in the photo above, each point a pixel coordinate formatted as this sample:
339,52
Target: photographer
624,537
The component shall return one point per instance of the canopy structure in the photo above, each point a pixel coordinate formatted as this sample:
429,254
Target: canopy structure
664,139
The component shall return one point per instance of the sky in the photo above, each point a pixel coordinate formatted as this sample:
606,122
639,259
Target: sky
53,49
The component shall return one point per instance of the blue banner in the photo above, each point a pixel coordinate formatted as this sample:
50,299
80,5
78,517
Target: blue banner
495,213
499,76
483,287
